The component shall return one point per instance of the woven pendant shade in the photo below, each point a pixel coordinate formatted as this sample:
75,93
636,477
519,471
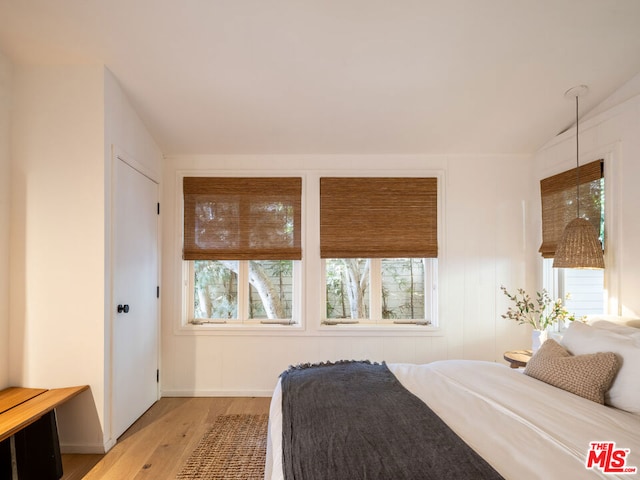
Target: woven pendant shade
579,247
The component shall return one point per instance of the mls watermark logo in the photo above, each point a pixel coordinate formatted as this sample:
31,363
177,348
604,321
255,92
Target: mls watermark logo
608,458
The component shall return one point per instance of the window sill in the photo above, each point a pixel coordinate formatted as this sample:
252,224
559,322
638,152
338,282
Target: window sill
342,330
275,329
370,329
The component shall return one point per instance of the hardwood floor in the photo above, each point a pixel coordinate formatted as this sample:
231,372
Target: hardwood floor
157,445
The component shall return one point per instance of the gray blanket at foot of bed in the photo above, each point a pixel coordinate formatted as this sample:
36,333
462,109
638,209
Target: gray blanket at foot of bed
354,420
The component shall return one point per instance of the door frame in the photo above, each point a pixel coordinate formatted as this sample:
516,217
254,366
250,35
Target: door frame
119,154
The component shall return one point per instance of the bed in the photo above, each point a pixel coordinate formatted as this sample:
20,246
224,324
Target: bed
521,426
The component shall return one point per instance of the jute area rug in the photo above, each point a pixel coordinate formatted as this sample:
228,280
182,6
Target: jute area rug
234,448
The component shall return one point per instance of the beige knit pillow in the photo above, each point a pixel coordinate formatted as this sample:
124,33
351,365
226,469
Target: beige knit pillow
589,376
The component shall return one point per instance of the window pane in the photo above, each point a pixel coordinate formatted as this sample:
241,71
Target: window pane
215,289
347,287
586,290
403,288
270,289
273,225
598,193
219,217
243,218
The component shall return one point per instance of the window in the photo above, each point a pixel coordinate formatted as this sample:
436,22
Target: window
378,240
585,288
558,194
242,244
404,290
217,298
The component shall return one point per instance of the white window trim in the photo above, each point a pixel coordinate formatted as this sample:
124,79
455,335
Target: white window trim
309,308
182,326
436,328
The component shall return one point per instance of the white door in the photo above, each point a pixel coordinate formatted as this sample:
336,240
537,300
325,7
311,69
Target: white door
134,353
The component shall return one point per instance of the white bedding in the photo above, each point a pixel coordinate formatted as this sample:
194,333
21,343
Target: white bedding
524,428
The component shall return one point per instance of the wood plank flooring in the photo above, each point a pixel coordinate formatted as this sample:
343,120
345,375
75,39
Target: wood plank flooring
158,444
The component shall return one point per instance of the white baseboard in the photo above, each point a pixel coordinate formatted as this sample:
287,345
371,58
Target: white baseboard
85,448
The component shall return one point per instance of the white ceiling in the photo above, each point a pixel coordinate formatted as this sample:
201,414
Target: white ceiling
341,76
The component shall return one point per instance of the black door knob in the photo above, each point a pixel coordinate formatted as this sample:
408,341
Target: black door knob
123,308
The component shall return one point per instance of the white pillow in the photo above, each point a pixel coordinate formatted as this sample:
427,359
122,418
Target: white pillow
624,393
620,328
617,319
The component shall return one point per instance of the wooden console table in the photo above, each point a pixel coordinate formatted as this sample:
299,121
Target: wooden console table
29,446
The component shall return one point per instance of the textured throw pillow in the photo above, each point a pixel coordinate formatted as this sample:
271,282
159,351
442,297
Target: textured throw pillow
625,391
589,376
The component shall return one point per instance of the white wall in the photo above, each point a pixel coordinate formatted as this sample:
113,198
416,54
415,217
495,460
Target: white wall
483,246
66,120
125,130
57,235
5,182
612,134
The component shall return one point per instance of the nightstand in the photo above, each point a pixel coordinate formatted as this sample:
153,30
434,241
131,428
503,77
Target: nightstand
518,358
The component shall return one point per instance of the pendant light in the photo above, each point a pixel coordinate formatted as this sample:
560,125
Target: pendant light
579,245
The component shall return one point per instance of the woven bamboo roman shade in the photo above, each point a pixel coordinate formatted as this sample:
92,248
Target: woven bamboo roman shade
378,217
230,218
559,202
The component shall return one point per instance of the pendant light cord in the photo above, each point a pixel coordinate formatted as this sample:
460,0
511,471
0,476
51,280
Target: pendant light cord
577,164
